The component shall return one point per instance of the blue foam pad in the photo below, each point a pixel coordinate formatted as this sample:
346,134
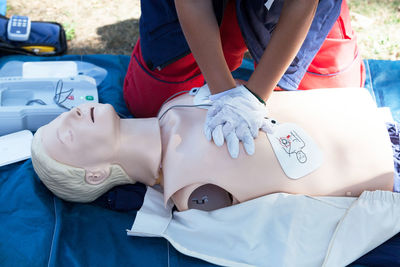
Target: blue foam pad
39,229
383,81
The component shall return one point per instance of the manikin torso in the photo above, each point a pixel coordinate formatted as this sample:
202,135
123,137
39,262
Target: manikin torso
344,123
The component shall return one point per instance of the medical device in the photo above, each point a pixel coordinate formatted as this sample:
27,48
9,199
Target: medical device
29,103
18,28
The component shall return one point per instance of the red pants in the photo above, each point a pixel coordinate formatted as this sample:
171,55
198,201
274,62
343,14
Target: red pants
337,64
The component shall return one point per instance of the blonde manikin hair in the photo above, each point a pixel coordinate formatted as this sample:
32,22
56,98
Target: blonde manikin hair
69,182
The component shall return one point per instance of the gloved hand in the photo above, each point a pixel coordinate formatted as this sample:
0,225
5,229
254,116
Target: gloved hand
236,115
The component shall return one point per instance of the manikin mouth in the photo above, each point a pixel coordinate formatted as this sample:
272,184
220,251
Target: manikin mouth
92,114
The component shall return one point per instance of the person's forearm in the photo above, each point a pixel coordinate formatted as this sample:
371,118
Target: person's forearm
202,34
286,40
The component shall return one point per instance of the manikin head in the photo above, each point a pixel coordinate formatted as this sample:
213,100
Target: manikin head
77,154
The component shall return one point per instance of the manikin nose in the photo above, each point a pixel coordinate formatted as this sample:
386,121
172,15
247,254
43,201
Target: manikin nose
78,112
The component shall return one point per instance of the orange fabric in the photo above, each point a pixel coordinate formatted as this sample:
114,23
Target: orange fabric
146,90
338,62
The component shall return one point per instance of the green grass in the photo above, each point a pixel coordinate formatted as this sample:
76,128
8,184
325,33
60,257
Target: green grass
377,25
69,30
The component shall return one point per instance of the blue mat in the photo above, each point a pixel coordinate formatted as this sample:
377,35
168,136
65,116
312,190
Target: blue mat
38,229
383,81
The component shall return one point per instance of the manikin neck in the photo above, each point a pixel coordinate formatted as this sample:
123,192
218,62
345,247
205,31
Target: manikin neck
139,152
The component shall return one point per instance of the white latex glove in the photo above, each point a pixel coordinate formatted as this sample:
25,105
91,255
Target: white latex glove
236,115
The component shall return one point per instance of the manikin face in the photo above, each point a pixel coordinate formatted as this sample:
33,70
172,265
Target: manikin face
86,136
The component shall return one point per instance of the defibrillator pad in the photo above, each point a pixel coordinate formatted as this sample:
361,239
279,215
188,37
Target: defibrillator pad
296,151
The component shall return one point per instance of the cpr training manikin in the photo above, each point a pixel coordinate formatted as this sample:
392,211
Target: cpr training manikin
327,142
